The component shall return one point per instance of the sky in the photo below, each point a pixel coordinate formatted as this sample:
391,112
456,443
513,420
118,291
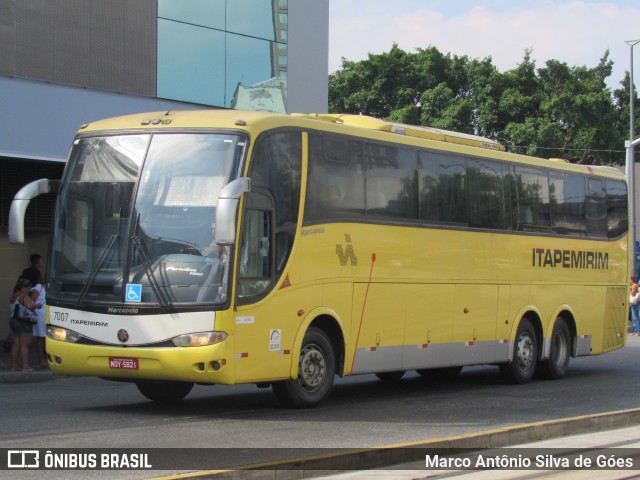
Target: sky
577,32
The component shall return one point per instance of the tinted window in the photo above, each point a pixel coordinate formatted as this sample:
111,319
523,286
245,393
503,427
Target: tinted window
531,194
485,189
335,183
596,208
617,215
392,186
355,181
567,195
277,166
443,198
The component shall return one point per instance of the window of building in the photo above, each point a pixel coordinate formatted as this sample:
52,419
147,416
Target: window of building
191,63
253,18
206,13
223,53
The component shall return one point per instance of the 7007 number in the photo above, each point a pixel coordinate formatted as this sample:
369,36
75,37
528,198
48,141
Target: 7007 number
60,316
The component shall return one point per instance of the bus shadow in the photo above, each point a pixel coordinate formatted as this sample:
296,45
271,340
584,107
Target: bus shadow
236,401
472,389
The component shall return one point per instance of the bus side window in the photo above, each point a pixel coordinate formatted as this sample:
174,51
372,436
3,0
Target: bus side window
255,269
525,217
335,183
617,214
567,193
596,208
277,171
531,186
485,193
443,192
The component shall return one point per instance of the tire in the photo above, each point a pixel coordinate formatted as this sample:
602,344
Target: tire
164,391
316,370
558,362
391,376
439,373
525,355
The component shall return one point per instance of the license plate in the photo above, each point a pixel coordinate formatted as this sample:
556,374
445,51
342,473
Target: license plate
127,363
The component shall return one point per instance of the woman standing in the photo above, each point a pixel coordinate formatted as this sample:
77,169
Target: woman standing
39,297
22,330
634,301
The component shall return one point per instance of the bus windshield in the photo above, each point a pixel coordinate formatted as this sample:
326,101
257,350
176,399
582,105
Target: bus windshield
134,222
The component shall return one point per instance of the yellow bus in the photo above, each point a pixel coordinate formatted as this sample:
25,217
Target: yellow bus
227,247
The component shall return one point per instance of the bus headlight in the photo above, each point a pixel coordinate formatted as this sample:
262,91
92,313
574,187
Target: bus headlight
62,334
199,339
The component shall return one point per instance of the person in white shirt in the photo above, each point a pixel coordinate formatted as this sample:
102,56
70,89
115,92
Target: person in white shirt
39,297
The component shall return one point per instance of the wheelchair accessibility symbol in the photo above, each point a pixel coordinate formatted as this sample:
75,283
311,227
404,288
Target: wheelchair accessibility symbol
134,292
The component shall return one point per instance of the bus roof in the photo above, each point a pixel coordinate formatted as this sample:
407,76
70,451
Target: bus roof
428,133
230,118
257,121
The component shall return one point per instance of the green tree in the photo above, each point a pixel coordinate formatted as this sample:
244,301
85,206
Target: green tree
373,87
557,110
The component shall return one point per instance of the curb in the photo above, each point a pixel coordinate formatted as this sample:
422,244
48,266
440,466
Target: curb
388,455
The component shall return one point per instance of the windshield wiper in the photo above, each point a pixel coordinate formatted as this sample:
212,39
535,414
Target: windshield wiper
103,258
144,256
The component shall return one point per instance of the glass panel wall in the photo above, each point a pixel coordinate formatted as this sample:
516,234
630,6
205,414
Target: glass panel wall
182,73
224,53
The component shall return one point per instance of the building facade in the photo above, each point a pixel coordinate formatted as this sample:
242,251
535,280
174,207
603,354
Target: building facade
64,63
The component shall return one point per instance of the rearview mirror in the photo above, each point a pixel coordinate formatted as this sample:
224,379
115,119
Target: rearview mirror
21,202
227,210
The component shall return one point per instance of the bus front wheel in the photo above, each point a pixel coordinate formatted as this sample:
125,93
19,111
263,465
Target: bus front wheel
164,391
316,369
558,362
525,355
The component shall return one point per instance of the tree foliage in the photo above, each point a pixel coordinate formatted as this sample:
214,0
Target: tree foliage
553,111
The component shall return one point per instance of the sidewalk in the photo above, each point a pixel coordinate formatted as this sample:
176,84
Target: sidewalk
597,437
38,374
569,448
567,438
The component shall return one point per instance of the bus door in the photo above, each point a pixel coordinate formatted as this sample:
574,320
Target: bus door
263,331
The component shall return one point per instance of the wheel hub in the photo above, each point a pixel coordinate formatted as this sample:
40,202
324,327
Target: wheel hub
526,353
312,367
561,348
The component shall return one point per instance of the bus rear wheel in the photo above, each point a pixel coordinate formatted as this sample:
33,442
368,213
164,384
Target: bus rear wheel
316,369
525,355
164,391
558,362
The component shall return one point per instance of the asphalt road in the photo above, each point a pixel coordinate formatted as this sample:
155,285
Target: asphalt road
362,412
